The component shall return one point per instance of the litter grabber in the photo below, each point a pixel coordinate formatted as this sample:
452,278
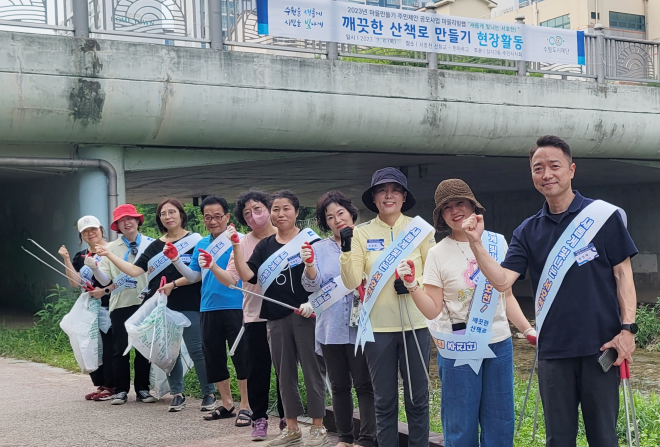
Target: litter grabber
529,387
294,309
86,285
410,278
232,351
629,403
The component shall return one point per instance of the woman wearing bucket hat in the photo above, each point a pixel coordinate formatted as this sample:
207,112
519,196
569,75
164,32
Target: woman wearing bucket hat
92,233
124,301
471,403
393,330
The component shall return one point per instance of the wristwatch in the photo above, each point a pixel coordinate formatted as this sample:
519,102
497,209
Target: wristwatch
107,290
632,328
174,284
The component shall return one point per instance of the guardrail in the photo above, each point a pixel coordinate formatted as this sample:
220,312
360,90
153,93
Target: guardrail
232,25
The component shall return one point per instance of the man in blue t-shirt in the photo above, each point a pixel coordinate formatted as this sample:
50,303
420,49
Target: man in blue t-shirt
594,306
221,315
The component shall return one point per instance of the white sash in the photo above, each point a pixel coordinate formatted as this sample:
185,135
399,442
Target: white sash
216,249
86,272
290,253
575,237
384,267
159,262
123,281
331,292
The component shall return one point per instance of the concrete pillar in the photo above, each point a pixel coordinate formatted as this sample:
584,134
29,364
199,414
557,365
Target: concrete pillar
600,52
522,65
432,58
93,196
333,51
80,19
215,24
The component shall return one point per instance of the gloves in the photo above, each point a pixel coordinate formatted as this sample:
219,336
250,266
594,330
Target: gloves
306,310
346,237
530,335
232,235
307,254
406,270
91,262
171,252
400,288
205,259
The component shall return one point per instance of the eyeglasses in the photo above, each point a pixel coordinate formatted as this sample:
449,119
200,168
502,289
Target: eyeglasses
208,218
168,213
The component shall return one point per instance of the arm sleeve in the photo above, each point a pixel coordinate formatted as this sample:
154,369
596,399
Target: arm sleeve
352,262
191,275
312,285
100,276
194,260
516,258
618,244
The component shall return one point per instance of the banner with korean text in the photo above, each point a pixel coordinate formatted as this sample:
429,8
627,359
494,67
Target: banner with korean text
374,26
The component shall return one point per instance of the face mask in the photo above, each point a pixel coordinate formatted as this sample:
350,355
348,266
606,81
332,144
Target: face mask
257,221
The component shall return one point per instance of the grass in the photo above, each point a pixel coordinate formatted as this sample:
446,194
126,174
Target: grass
47,343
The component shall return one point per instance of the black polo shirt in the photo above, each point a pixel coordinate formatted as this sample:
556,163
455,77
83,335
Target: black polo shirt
585,313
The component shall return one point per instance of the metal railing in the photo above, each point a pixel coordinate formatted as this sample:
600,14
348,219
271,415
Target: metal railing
232,25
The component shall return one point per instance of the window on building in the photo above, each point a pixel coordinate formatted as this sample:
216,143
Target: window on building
594,15
627,21
558,22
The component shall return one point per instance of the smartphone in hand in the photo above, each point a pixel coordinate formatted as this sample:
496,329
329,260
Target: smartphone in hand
607,359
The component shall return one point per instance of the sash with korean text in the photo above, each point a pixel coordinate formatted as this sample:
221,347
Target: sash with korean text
472,347
123,281
159,262
287,255
575,237
330,292
86,273
217,248
384,267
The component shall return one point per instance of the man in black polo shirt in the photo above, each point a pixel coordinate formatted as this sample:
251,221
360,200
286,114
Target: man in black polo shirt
593,310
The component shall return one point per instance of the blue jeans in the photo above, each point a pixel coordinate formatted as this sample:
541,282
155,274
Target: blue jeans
192,336
485,400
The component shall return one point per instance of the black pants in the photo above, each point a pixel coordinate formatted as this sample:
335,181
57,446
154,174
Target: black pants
343,365
104,376
121,364
219,331
566,384
386,359
259,370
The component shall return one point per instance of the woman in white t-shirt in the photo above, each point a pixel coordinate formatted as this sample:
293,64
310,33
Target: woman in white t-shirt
477,409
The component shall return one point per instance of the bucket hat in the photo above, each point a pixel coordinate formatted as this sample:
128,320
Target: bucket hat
447,191
88,222
126,210
388,175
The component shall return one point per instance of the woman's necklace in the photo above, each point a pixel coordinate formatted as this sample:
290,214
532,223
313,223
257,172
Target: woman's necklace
459,247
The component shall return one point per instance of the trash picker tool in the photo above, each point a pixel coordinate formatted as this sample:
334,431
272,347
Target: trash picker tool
294,309
84,284
529,387
624,371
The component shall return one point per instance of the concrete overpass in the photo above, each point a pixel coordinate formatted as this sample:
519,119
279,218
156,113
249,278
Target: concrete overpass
185,122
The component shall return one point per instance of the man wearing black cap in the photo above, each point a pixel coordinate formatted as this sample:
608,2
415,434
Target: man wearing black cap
389,197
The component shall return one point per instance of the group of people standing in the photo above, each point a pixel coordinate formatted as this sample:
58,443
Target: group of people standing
386,286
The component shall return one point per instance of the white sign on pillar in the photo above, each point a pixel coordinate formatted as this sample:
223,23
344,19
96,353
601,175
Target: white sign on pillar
344,22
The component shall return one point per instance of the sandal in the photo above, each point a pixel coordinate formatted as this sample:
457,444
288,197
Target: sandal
220,413
243,419
105,394
91,395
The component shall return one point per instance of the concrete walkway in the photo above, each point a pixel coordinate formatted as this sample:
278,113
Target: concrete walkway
44,406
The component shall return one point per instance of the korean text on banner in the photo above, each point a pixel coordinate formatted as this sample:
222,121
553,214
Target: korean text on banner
345,22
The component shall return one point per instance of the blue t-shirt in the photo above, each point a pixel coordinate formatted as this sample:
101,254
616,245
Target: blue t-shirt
585,313
216,296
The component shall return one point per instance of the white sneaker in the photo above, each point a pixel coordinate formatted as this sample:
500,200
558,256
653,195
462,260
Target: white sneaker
287,438
318,436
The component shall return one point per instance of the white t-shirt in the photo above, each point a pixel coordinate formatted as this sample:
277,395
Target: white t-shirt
448,267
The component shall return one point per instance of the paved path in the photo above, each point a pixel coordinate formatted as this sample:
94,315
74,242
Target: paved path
44,406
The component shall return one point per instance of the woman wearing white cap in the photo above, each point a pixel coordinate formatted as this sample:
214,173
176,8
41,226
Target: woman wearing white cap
91,232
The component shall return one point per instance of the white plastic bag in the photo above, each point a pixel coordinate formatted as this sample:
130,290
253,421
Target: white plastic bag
158,378
81,324
157,332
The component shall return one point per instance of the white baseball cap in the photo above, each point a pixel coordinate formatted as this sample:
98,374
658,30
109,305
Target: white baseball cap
88,222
